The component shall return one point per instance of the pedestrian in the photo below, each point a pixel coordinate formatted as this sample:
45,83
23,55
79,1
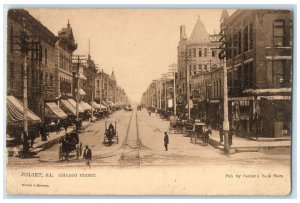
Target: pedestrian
60,149
87,155
66,126
166,141
206,136
77,151
221,133
58,126
32,137
25,143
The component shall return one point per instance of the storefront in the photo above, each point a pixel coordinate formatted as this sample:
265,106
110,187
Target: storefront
15,119
275,116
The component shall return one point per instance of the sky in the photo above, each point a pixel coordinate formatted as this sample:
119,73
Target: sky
138,44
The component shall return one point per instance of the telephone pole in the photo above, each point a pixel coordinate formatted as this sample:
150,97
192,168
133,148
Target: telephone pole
78,59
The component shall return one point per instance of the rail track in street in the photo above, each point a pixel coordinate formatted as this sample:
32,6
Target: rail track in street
130,155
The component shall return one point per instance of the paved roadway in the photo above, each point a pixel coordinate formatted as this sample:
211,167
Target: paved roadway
141,144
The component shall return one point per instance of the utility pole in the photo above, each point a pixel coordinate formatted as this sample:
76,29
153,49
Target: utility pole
173,70
24,49
78,59
222,55
187,85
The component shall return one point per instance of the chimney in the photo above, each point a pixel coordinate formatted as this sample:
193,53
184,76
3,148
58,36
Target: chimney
182,32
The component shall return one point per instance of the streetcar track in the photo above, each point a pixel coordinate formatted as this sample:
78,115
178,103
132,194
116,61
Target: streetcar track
131,157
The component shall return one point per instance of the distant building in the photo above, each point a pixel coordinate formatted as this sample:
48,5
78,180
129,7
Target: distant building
197,54
65,46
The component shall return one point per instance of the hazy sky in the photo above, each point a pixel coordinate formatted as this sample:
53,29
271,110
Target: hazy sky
139,44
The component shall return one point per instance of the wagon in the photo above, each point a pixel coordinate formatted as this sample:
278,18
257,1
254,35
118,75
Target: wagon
176,125
111,133
199,130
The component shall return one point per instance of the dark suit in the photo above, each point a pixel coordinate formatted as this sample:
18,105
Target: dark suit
166,141
87,154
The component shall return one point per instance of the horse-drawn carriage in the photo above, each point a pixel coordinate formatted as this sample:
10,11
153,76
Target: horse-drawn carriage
78,126
111,133
201,131
176,125
68,143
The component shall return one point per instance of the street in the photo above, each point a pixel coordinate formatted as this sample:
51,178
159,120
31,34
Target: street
141,144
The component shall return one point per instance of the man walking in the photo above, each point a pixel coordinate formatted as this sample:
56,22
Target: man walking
87,155
166,141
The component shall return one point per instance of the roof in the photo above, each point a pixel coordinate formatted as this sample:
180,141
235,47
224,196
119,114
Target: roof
199,34
113,77
224,14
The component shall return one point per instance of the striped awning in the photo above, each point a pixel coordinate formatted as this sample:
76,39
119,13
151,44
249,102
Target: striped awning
53,110
80,107
67,107
15,112
85,105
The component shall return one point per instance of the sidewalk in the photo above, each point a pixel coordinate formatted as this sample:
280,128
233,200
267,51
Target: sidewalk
241,144
40,145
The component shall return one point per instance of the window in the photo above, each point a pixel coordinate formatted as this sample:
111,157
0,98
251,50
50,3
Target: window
228,46
98,83
190,69
195,69
190,53
194,52
239,43
51,80
248,75
251,35
200,68
278,37
234,45
213,53
205,52
291,33
246,39
281,73
41,53
200,52
205,67
46,57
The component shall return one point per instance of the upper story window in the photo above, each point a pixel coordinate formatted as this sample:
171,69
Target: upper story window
46,56
246,39
194,52
205,52
213,53
200,52
251,36
278,30
291,33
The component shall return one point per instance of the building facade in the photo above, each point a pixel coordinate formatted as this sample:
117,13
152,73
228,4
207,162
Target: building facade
259,62
197,54
41,63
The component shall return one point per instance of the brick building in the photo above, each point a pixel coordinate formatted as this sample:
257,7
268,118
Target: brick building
259,63
41,63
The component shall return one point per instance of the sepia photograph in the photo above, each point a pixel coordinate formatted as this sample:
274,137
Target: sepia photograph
141,101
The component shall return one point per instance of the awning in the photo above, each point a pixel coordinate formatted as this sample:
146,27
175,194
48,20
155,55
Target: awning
96,105
68,107
53,110
81,92
85,106
111,103
80,107
15,111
